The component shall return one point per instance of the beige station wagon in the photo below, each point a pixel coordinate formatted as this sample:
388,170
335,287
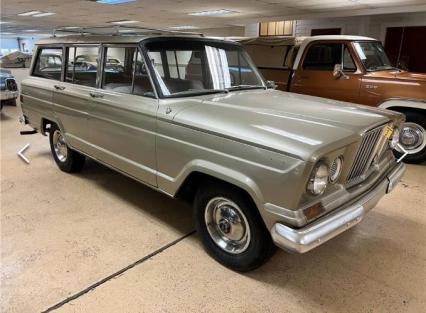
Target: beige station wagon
192,117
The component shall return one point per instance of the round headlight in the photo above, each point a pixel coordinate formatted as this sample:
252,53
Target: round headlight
395,138
319,179
336,169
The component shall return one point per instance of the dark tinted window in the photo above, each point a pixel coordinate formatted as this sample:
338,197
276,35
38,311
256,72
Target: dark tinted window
323,57
49,63
82,65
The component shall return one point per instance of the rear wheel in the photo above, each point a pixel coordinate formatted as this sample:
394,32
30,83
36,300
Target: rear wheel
67,159
413,137
231,228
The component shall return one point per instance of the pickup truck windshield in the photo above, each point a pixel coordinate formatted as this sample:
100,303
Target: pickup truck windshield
194,67
373,56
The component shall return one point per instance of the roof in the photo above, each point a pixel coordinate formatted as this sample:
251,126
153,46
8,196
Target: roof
84,39
337,37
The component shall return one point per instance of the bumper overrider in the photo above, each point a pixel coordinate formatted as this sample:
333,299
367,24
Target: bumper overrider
329,226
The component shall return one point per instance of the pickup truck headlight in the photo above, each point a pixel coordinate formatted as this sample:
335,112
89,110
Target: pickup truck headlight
395,138
319,179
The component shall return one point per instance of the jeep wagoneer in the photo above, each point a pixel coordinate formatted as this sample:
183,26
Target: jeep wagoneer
192,117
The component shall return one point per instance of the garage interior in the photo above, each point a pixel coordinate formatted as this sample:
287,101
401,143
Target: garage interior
98,241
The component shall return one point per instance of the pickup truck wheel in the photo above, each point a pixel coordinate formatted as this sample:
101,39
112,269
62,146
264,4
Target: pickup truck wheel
67,159
231,228
413,137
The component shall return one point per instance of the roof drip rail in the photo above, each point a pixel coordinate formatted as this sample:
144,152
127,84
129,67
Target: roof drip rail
120,30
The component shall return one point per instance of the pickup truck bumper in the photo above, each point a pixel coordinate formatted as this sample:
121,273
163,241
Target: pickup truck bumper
329,226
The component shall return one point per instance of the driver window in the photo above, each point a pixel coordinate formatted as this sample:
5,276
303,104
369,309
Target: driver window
49,64
323,57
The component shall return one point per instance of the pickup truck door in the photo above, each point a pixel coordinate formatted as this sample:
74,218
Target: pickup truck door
123,116
314,75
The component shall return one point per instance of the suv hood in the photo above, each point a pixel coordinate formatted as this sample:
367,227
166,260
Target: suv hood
297,125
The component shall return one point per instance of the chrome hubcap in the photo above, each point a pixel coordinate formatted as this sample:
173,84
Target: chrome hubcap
60,146
412,137
227,225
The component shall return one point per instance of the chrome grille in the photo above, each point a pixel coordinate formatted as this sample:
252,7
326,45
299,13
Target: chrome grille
371,143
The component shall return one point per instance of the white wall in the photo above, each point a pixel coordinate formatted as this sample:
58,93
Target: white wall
372,26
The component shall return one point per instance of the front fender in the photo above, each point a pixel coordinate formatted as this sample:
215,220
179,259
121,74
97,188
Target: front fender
172,185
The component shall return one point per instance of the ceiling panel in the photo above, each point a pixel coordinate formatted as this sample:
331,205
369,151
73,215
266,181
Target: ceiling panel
167,13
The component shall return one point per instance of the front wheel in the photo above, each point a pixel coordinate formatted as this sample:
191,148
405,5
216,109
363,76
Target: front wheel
231,228
67,159
413,137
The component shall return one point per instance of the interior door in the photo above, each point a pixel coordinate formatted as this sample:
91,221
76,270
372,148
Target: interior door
406,47
123,116
315,73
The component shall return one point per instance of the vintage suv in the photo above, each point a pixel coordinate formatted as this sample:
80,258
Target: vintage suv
192,117
347,68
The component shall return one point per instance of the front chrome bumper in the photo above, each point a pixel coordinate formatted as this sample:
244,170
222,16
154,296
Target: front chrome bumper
329,226
7,94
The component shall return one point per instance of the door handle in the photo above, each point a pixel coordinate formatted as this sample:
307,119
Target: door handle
57,87
96,95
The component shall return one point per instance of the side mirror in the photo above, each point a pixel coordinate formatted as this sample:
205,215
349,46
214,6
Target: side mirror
338,72
271,84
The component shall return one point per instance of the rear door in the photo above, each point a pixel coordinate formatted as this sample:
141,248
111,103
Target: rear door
314,75
123,116
46,74
72,96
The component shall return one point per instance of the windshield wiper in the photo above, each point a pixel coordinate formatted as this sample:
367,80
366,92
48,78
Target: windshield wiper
245,87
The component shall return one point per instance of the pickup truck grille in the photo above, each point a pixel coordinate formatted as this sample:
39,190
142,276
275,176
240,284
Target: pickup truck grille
11,84
372,143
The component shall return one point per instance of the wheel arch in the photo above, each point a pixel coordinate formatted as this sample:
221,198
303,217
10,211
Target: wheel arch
403,105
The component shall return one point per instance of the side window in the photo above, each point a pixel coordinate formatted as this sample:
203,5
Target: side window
82,65
142,84
323,57
49,63
348,62
118,69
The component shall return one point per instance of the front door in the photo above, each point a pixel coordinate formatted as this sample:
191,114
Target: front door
314,75
123,117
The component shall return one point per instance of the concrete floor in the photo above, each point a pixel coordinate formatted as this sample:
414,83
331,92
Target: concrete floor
62,233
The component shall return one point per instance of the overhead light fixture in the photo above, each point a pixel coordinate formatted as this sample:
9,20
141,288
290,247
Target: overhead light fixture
7,33
183,27
121,22
43,14
219,12
71,27
4,22
29,13
30,30
114,1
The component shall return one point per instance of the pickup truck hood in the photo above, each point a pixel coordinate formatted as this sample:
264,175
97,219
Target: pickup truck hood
402,75
298,125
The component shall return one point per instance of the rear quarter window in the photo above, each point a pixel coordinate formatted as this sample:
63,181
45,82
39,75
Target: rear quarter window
48,63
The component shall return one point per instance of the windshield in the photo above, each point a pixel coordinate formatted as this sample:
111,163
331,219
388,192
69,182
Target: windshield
373,56
186,67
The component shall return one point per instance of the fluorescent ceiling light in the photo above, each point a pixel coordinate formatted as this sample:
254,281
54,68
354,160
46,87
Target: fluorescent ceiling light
70,27
183,27
4,22
8,33
43,14
120,22
31,30
219,12
29,13
114,1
